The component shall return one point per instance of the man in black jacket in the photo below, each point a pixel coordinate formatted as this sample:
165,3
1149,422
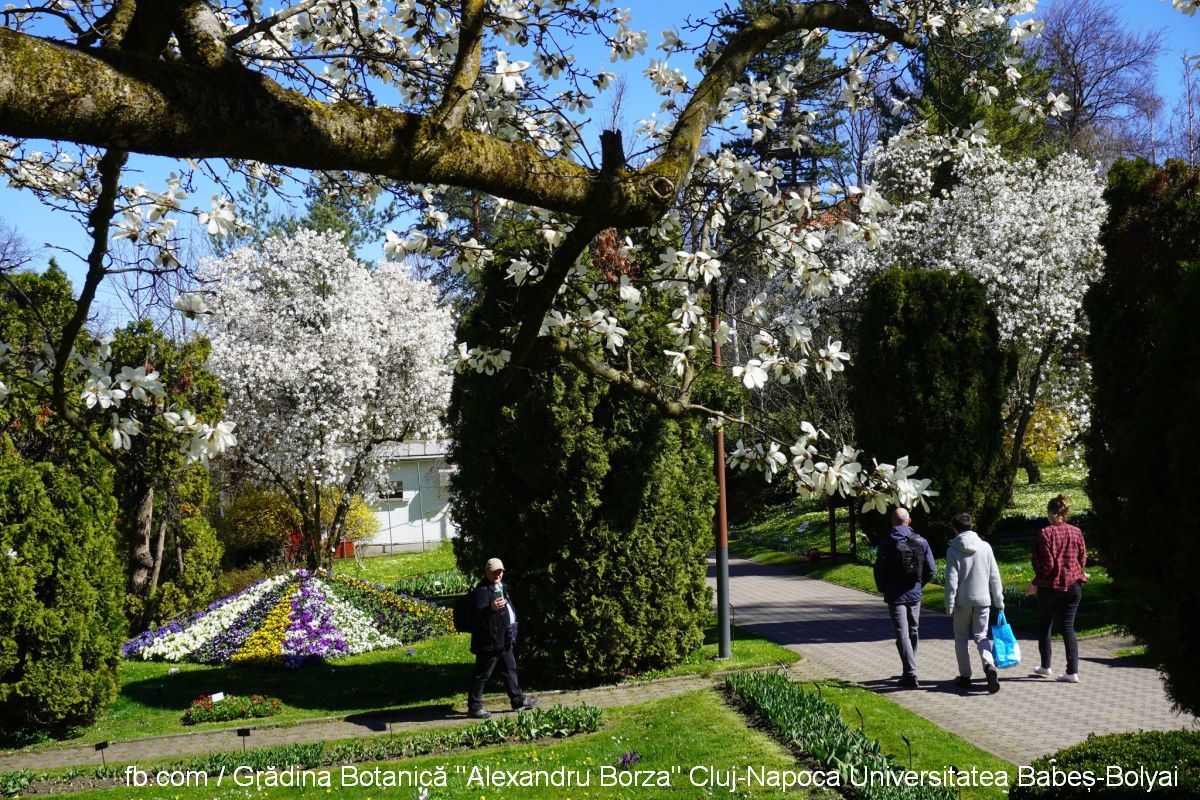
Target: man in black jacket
901,587
492,640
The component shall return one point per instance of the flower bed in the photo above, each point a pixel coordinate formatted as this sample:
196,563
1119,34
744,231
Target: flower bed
256,706
292,619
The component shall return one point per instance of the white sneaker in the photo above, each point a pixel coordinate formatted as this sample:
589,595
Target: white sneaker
1070,677
1045,672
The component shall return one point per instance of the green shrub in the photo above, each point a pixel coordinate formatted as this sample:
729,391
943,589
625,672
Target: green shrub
930,382
1146,404
1174,752
599,505
256,706
61,620
813,724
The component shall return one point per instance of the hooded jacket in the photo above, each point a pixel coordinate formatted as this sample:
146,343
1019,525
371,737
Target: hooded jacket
972,577
894,589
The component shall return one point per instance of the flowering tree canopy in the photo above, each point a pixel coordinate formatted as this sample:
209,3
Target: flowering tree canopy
1030,234
485,95
322,360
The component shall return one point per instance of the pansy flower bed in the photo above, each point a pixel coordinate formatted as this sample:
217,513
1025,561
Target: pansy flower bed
292,619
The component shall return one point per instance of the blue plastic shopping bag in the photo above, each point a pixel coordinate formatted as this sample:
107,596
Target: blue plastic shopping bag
1005,647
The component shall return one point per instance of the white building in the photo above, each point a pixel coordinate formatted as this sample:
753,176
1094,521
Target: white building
415,513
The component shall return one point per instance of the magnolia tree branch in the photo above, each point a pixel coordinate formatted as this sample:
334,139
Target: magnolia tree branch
466,65
211,108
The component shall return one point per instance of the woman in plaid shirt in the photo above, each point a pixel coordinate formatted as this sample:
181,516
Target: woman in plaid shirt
1059,556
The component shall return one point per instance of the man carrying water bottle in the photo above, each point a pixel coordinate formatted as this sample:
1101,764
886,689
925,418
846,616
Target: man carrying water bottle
492,640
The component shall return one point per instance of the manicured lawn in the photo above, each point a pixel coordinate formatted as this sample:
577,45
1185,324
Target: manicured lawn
151,701
782,537
694,729
747,650
387,569
933,749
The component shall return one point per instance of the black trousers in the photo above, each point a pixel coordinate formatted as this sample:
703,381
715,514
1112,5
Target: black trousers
1064,605
485,663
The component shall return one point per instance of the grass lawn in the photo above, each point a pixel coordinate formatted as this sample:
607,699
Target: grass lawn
391,568
933,749
695,729
786,534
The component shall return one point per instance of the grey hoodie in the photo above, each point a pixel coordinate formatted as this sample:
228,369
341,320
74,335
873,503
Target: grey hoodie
972,577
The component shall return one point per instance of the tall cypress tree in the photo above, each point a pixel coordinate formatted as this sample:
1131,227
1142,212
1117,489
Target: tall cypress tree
929,382
599,505
1146,403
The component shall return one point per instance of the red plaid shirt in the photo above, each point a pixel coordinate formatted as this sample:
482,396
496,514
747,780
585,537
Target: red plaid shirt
1059,556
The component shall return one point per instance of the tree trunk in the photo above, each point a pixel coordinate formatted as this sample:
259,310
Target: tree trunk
1027,406
1032,471
142,560
832,527
853,532
158,555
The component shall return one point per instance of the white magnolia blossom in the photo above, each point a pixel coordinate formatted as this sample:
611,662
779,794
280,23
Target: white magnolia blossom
1030,234
532,89
322,358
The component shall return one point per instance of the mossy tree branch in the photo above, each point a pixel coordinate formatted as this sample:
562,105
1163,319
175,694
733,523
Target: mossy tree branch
214,109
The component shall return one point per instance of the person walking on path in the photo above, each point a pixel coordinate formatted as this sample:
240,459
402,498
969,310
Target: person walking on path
1059,556
903,566
973,588
492,640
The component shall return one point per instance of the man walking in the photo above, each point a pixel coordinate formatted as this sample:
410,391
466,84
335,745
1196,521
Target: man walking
904,564
492,640
973,588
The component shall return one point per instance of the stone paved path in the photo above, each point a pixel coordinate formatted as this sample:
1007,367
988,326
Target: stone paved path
845,634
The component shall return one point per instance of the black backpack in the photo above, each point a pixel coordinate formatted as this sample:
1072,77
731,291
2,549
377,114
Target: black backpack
464,613
910,560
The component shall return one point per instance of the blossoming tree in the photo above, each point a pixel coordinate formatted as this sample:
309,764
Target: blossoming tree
323,360
480,94
1028,233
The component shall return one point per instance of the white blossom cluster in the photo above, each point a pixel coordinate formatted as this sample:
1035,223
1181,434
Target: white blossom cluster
529,87
131,397
322,358
1029,233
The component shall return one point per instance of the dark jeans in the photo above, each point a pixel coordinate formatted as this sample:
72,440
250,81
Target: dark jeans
485,663
906,622
1064,604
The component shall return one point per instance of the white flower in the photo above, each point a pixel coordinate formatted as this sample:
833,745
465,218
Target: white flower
520,269
4,391
220,218
191,304
752,374
507,76
140,384
122,430
99,390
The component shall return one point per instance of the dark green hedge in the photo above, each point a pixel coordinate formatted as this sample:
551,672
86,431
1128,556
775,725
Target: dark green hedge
600,507
930,382
1145,433
61,619
1176,753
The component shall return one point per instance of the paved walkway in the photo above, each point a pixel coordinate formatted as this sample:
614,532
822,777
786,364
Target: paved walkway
846,634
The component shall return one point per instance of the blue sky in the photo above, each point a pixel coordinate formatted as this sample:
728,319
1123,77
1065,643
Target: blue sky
39,225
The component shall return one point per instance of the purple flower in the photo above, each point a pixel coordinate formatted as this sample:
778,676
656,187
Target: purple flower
629,759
